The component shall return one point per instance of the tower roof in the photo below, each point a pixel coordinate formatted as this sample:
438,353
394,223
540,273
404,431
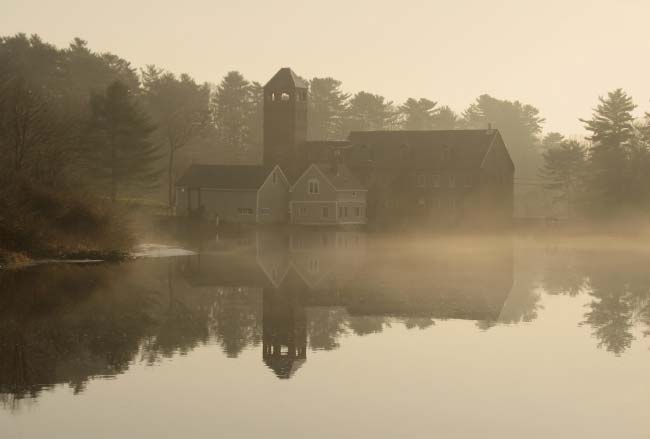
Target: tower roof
286,78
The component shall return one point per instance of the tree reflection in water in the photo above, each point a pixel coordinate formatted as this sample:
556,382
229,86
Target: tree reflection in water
67,324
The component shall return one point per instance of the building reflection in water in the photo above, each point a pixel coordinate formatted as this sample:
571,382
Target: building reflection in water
287,292
305,272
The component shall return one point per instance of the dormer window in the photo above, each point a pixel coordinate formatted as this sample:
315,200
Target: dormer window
285,96
314,187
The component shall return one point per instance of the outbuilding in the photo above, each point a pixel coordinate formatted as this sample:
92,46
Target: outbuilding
234,193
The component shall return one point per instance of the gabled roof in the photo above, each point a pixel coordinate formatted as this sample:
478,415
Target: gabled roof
424,149
238,177
286,78
340,176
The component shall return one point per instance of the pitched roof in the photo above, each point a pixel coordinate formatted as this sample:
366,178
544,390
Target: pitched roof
340,176
225,176
425,149
286,78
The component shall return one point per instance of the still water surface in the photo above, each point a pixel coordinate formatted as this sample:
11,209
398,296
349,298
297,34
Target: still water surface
332,335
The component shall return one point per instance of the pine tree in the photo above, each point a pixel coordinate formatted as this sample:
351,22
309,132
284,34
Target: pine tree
179,106
255,123
120,154
327,105
418,114
519,124
232,105
552,140
564,167
368,111
612,136
445,119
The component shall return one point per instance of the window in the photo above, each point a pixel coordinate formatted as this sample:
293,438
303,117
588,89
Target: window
445,153
436,180
421,202
245,211
343,212
469,180
274,177
314,187
285,96
452,203
421,180
325,211
357,211
314,265
354,195
265,211
302,211
452,181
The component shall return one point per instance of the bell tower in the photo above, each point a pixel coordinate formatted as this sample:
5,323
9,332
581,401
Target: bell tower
285,120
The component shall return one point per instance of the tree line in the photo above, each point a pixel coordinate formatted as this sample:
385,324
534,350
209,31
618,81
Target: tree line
92,118
608,173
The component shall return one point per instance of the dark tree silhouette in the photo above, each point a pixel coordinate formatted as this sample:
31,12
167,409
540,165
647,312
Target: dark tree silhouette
179,107
612,135
327,105
418,114
564,169
519,124
368,111
120,153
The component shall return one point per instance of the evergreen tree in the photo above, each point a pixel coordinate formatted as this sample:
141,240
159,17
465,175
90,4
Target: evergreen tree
552,140
120,154
232,106
519,124
86,73
418,114
445,119
564,168
612,136
368,111
327,105
256,122
179,107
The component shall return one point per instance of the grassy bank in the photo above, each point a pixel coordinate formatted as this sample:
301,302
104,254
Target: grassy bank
42,222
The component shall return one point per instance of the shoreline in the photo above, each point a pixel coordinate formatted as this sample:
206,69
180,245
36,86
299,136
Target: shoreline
10,259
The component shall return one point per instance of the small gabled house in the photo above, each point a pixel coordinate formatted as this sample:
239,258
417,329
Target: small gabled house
234,193
327,194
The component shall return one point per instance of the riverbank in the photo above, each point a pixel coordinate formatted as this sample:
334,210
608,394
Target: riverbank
38,222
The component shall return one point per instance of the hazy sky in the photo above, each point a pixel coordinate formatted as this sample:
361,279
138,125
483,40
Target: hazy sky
557,55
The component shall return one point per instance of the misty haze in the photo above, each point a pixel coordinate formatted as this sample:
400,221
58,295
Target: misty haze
324,220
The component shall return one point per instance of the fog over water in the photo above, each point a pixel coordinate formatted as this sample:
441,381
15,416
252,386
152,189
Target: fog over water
332,334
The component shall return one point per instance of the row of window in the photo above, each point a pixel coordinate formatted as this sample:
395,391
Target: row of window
246,211
344,212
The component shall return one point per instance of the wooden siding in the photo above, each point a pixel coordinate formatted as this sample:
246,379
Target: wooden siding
273,199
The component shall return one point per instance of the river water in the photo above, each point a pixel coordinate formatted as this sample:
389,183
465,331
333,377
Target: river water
332,335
